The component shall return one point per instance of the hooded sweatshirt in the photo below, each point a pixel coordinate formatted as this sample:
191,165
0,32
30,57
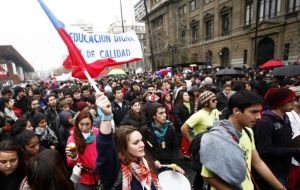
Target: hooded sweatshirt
220,153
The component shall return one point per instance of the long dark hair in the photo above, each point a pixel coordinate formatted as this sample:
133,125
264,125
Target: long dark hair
46,171
79,139
122,135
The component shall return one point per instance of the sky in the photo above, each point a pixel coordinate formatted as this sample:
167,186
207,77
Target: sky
24,25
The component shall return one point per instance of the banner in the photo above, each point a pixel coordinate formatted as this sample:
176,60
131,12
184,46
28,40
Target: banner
119,47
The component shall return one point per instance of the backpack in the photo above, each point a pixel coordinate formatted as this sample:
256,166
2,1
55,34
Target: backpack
195,149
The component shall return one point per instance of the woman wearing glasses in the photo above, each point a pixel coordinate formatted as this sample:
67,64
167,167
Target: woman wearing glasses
81,149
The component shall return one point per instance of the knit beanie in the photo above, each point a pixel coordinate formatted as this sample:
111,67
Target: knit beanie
18,89
276,97
205,96
151,109
153,98
81,105
37,117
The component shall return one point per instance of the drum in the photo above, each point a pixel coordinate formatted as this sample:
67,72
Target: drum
170,180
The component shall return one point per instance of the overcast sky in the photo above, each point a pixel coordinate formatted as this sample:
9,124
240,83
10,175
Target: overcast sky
24,25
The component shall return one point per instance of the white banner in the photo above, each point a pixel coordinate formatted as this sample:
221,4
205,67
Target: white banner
120,47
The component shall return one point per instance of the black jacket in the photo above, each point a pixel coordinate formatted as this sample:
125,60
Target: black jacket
222,101
154,149
272,138
134,120
119,112
181,114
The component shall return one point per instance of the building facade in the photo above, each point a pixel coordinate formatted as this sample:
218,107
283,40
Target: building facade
223,32
139,29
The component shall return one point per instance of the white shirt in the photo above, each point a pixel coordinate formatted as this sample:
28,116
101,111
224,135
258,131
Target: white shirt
295,123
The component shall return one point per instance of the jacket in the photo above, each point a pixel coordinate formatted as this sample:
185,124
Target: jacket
87,160
181,114
155,149
119,112
272,138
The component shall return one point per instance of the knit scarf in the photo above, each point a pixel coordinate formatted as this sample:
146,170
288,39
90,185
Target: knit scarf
141,172
160,132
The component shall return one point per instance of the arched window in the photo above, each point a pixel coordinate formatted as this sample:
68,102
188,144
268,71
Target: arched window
265,50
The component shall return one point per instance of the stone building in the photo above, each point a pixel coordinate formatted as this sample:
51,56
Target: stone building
223,32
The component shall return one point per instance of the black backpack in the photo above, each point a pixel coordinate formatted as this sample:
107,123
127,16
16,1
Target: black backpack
195,148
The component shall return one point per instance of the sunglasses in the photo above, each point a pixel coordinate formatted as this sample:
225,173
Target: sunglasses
213,100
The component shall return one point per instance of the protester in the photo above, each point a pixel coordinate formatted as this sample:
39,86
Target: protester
29,143
12,169
119,105
226,147
135,115
273,134
46,172
48,138
84,153
125,156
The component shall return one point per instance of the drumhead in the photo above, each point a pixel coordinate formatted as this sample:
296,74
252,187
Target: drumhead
170,180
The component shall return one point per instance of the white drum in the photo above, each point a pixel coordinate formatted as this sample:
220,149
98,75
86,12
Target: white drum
170,180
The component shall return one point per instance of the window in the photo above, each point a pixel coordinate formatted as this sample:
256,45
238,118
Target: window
182,10
225,15
286,51
158,22
268,9
224,55
195,30
208,26
225,23
193,5
182,37
248,11
245,56
293,5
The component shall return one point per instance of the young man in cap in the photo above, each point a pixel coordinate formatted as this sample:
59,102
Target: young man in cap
204,118
273,134
227,151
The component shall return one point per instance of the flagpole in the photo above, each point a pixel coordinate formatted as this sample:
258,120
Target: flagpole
92,81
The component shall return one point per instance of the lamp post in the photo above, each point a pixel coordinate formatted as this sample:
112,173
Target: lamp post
121,9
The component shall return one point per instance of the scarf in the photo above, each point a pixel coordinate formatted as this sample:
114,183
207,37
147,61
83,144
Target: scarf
49,136
141,172
160,132
10,114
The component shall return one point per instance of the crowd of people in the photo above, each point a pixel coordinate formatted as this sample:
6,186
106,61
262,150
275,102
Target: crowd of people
65,136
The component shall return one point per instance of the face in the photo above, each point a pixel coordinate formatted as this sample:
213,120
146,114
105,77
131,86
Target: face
250,115
51,101
69,99
32,147
136,145
136,107
113,84
248,87
76,95
151,89
289,106
186,97
35,104
10,104
135,87
8,162
43,123
66,108
85,125
119,95
21,94
86,93
168,97
160,115
227,90
30,93
213,103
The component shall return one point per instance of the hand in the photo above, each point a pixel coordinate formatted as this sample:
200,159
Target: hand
157,164
179,169
72,154
103,103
